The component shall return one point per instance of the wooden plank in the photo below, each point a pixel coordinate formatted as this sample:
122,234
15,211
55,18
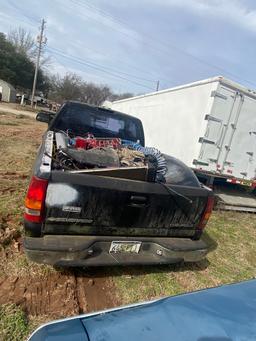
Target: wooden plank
132,173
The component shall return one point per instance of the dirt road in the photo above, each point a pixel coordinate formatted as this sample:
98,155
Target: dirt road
13,109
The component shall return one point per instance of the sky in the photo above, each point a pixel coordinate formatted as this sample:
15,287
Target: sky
130,45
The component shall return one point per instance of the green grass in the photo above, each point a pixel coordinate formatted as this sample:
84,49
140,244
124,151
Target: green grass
13,323
18,146
3,123
234,260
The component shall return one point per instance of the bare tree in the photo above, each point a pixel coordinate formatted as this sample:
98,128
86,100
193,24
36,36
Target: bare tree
116,97
65,88
94,94
25,43
72,87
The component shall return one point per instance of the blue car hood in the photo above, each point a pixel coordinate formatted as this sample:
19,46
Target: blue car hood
219,314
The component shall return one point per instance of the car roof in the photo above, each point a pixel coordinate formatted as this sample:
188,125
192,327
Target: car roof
226,313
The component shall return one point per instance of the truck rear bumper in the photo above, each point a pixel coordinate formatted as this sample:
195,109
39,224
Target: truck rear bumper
63,250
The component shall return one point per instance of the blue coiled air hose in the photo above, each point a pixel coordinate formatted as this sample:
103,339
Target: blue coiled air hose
161,162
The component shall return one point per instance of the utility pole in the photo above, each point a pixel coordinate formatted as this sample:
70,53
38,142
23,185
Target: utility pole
157,85
41,40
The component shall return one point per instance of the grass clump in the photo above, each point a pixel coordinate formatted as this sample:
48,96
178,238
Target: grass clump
233,261
13,323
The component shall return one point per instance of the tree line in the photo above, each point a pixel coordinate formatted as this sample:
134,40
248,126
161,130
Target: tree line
72,87
17,66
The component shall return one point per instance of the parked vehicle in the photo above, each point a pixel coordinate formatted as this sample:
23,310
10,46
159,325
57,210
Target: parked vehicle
226,313
209,125
98,196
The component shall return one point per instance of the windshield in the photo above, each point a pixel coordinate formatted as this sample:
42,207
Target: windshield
82,119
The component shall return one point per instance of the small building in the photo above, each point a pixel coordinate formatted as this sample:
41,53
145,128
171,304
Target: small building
7,92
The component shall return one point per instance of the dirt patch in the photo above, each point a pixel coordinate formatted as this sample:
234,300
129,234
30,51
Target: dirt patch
8,234
57,294
42,292
13,175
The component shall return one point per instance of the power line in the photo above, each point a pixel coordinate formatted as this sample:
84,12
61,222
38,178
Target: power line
74,59
111,69
125,63
20,10
25,22
98,68
86,6
124,33
59,62
117,20
113,19
32,20
98,21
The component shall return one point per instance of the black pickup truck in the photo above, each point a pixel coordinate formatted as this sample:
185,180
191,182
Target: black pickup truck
98,196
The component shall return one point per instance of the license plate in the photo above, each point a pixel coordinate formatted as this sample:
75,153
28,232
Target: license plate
124,247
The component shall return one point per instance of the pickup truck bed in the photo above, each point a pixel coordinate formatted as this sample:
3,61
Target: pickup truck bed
90,219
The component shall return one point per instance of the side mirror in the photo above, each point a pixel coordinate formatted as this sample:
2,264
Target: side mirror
44,116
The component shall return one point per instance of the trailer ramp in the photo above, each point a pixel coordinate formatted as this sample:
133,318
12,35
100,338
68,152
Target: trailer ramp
238,199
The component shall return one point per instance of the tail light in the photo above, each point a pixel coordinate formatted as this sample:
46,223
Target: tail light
207,212
34,202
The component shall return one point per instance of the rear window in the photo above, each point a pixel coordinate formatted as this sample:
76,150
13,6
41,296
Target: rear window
99,122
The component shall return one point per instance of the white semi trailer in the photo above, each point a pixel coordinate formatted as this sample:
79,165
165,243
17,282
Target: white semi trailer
210,125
